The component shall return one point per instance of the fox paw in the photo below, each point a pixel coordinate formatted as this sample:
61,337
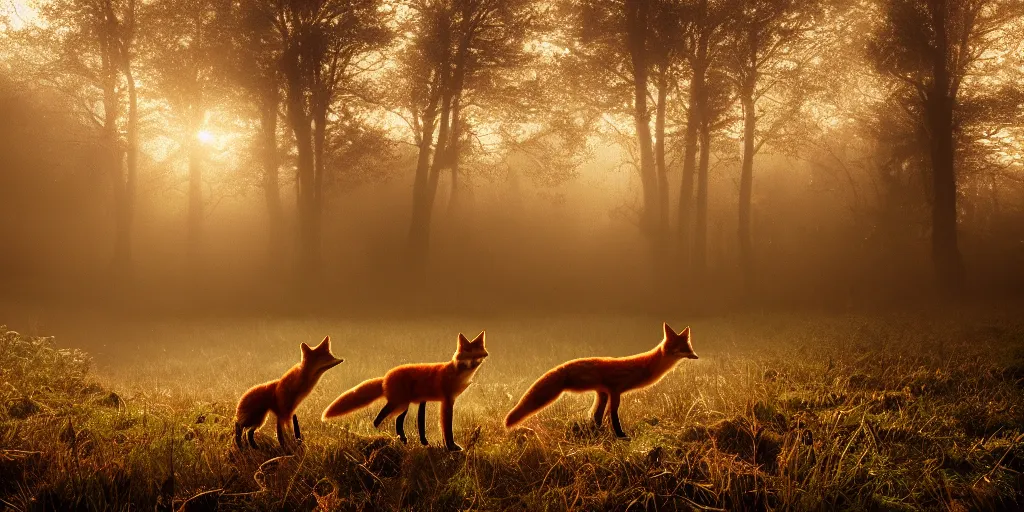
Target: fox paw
424,442
454,448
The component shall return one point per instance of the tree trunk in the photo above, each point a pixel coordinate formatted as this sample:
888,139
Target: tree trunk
126,216
450,87
694,116
195,194
637,14
454,156
113,152
689,163
746,187
941,103
320,170
271,181
419,188
700,234
420,231
305,171
659,149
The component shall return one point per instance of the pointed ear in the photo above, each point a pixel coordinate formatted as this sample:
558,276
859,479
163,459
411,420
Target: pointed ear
463,340
480,337
325,344
685,333
669,333
305,349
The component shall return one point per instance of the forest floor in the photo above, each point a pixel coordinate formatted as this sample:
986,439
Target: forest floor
888,411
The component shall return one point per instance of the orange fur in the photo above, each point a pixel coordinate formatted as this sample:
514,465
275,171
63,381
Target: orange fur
417,383
283,396
610,377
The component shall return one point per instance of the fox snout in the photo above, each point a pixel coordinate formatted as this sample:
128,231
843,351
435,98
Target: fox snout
692,356
333,363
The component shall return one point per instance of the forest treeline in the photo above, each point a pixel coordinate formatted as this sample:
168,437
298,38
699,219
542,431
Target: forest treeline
837,147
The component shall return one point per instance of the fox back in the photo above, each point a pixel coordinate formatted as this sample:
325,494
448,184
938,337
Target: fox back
608,376
282,396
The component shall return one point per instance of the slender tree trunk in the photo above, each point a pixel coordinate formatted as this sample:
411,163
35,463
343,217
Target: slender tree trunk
700,235
689,163
422,218
271,177
195,194
320,168
637,13
427,168
454,156
113,151
945,249
300,125
659,149
419,189
126,217
423,204
703,120
746,188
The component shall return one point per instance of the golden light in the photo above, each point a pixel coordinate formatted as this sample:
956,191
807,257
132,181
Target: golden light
205,136
17,14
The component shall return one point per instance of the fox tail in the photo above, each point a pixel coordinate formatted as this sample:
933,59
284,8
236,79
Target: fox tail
355,398
546,390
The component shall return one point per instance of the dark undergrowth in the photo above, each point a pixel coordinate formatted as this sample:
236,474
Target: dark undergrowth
856,414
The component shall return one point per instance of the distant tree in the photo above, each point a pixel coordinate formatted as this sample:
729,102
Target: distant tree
767,39
930,47
325,45
256,67
457,48
86,50
703,24
185,50
716,113
614,46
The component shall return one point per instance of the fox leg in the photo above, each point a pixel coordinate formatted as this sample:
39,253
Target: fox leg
447,412
599,407
400,426
383,414
280,432
614,403
295,427
421,422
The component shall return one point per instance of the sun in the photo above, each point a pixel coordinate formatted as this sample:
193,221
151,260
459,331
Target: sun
205,136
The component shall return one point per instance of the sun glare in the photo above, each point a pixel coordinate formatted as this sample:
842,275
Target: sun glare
205,136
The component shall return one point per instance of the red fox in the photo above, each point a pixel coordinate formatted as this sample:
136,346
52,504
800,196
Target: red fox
610,377
411,383
282,396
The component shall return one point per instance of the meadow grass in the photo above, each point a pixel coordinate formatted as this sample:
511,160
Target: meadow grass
889,411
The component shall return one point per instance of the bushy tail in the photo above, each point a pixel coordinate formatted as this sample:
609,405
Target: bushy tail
355,398
546,390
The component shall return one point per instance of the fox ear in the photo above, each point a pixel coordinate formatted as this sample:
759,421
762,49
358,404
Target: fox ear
463,340
480,337
325,344
305,349
685,333
669,333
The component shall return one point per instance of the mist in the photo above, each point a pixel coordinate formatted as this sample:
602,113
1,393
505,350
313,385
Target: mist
829,193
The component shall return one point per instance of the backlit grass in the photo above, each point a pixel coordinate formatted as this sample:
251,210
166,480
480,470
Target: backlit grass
880,412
